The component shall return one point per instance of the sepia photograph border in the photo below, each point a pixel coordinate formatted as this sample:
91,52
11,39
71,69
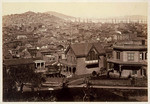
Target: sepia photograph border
1,46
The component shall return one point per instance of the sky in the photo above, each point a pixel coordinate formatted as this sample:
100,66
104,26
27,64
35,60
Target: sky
79,9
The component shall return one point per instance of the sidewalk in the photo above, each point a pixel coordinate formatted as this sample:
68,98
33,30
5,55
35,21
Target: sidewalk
108,87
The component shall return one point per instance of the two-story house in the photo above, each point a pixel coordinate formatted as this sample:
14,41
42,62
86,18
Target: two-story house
49,56
83,58
35,64
129,59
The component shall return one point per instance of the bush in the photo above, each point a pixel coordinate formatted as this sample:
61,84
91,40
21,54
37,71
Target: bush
94,73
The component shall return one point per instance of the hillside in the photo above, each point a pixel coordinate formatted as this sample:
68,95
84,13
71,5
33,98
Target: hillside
60,15
30,18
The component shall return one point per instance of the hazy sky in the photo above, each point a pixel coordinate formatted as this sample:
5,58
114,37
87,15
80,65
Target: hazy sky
78,9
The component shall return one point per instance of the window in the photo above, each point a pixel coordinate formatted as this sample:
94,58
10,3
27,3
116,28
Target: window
109,56
42,64
134,72
70,58
141,71
38,64
92,55
130,56
59,57
118,55
145,55
143,42
74,59
141,56
92,66
67,57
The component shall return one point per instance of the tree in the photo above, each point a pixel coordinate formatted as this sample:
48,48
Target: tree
36,80
24,74
94,73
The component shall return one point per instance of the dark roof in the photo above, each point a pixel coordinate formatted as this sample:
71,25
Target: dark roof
82,49
21,48
127,62
130,48
98,46
47,51
22,61
32,50
15,41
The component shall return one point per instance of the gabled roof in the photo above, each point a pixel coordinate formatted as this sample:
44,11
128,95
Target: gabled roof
98,46
82,49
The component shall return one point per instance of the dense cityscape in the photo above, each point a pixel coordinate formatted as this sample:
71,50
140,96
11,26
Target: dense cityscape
54,57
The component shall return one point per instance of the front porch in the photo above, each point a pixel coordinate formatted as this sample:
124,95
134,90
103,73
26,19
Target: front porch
127,69
67,69
40,66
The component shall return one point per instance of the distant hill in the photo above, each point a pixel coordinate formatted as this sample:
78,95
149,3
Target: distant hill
60,15
49,18
30,18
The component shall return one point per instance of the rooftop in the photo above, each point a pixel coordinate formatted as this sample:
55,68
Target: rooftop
39,61
82,49
128,62
131,45
22,61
